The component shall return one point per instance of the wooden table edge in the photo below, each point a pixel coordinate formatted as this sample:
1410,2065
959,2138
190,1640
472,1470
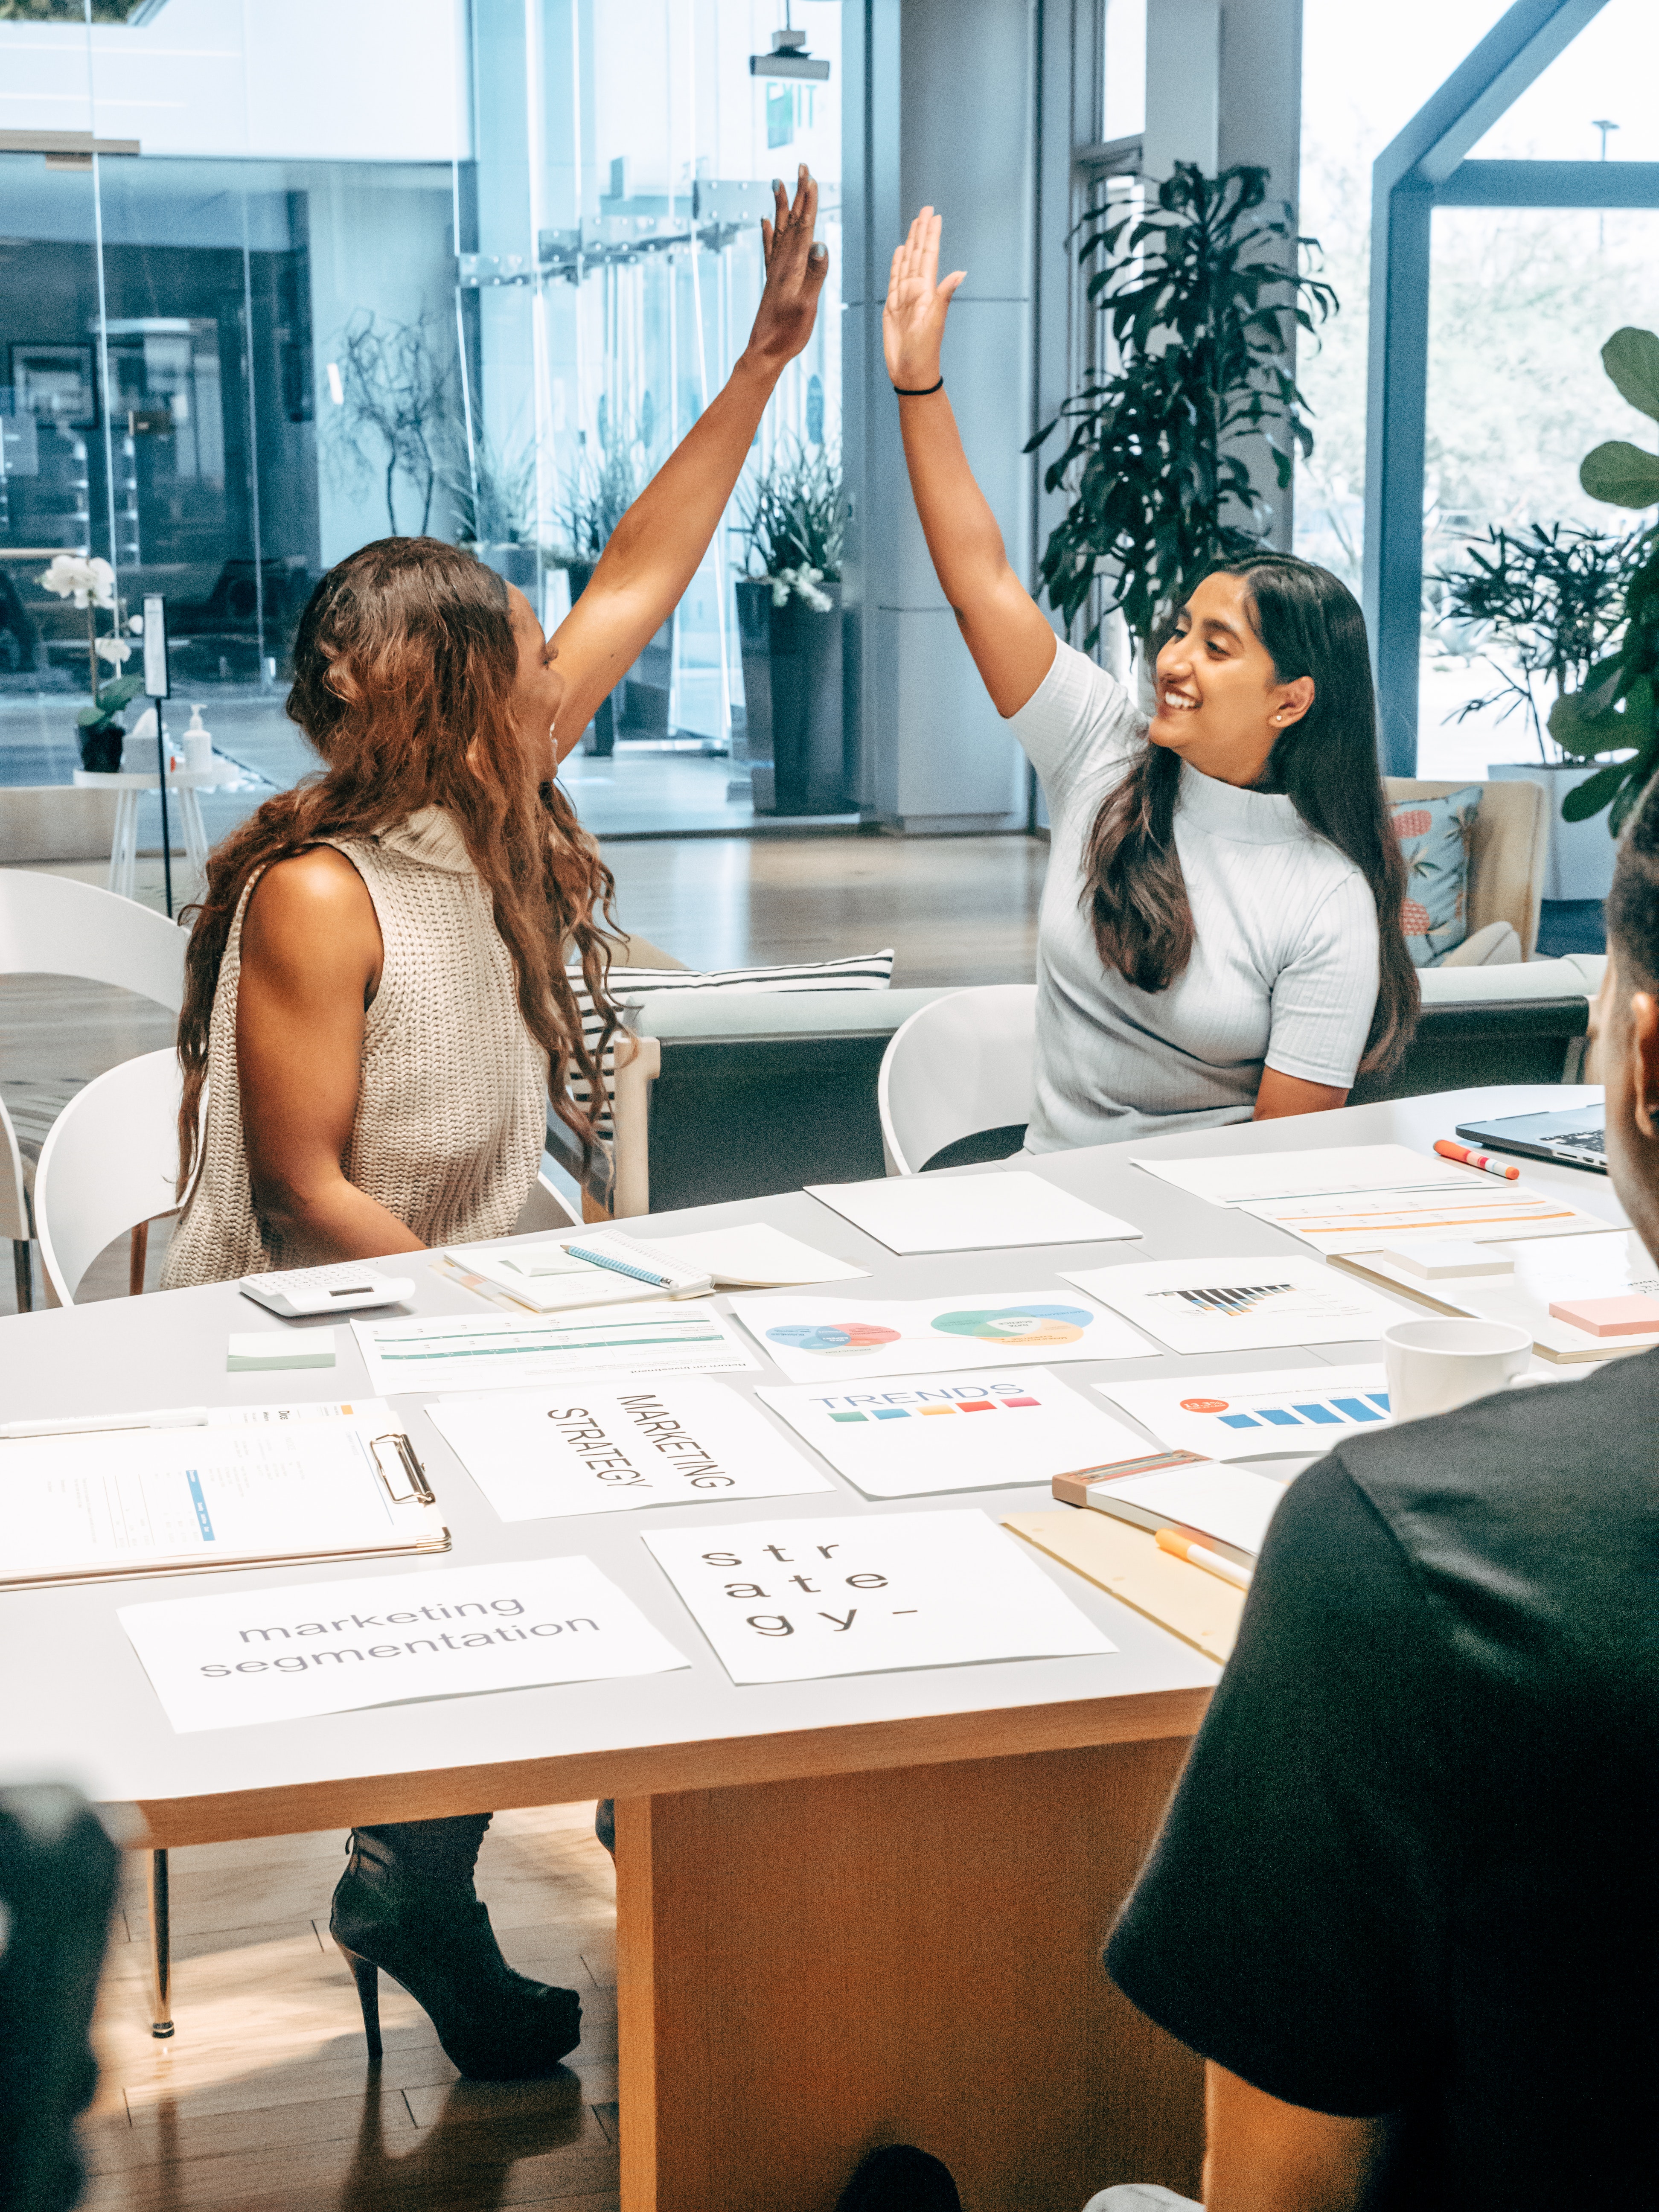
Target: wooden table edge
646,1771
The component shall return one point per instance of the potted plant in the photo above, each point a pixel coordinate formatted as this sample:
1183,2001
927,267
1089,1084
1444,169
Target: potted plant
791,629
90,582
1201,294
1547,599
1616,710
598,499
494,496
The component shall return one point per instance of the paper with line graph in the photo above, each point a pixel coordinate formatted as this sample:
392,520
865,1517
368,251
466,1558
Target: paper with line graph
1260,1416
1243,1305
493,1352
928,1433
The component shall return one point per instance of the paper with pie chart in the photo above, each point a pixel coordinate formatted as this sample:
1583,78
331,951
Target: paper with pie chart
1243,1305
913,1436
1258,1416
830,1338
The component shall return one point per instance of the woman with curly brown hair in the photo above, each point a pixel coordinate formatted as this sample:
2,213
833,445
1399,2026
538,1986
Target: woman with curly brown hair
377,1008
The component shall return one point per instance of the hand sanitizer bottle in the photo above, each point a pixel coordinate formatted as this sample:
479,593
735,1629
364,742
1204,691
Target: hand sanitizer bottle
198,746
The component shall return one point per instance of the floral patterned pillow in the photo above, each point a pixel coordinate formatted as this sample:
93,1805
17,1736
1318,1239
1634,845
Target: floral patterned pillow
1434,836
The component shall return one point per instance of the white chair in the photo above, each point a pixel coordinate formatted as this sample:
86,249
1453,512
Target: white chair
15,1209
545,1212
54,926
960,1066
108,1165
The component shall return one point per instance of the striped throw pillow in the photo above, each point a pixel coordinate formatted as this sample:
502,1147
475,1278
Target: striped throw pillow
631,987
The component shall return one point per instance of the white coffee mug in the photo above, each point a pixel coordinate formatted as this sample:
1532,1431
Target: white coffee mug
1433,1366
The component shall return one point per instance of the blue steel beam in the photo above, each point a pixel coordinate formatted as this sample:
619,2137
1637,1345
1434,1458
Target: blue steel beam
1551,185
1405,185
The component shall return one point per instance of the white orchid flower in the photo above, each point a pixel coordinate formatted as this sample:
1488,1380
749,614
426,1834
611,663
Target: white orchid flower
115,650
89,583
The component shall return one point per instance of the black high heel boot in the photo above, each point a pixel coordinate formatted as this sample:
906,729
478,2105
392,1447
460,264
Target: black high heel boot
406,1906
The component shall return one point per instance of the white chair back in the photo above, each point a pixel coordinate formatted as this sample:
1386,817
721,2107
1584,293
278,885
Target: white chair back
54,926
964,1064
546,1211
109,1161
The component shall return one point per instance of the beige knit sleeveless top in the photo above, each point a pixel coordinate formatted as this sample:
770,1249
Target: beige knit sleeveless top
451,1117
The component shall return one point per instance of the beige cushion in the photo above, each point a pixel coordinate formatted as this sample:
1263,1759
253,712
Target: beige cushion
1497,945
1508,853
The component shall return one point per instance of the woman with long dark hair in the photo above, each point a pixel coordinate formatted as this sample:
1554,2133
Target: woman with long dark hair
1220,934
377,1015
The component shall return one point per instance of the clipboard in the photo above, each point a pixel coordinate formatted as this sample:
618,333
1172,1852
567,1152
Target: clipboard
243,1487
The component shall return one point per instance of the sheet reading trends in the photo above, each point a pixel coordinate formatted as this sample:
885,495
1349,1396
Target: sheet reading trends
494,1352
1263,1416
277,1654
1243,1305
598,1447
797,1600
837,1340
942,1433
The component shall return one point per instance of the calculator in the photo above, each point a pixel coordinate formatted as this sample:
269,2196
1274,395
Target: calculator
299,1293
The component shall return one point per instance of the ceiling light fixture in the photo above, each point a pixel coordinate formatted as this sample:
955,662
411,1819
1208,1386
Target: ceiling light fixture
789,56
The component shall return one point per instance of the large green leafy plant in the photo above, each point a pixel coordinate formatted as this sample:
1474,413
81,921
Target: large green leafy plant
1617,709
1202,292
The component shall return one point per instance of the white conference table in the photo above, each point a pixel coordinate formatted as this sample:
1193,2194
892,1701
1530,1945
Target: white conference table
849,1910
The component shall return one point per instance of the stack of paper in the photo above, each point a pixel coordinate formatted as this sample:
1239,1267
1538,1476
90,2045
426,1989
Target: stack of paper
1561,1272
970,1213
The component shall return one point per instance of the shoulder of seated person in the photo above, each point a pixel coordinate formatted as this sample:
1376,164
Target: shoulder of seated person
318,890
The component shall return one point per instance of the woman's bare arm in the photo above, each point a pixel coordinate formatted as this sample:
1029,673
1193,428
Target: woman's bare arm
1012,646
1280,1095
654,550
310,964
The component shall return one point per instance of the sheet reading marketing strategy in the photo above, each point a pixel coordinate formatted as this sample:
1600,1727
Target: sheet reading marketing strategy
606,1446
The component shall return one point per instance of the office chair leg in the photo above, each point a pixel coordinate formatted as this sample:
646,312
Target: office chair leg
23,1273
160,1959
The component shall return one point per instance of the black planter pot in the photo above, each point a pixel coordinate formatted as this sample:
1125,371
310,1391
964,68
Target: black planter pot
101,746
791,684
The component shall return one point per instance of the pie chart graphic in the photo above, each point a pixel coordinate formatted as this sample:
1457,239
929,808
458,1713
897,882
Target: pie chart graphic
1022,1324
833,1336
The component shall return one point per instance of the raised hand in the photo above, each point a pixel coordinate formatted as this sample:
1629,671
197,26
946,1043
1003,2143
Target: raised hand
795,270
913,320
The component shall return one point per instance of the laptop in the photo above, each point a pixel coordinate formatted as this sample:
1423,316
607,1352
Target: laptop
1576,1139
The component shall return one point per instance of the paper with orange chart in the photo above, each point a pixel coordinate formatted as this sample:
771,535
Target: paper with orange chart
822,1340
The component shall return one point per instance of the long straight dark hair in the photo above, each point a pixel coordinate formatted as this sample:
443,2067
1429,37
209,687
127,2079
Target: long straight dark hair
1325,764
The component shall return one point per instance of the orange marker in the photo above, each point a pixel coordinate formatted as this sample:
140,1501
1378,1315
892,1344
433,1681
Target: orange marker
1200,1555
1447,1151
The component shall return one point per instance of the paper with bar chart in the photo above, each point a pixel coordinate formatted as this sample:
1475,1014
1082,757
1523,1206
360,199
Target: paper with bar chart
1260,1416
1242,1304
936,1432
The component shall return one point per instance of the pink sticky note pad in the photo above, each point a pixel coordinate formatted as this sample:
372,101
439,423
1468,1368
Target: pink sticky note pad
1628,1316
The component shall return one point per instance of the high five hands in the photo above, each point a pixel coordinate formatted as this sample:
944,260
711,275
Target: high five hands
913,320
795,270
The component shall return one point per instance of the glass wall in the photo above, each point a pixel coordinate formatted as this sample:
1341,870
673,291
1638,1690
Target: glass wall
1521,301
270,291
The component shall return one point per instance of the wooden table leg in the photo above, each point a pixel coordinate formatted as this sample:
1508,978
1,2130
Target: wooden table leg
808,1969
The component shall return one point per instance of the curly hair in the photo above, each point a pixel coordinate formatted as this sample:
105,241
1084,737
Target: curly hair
404,668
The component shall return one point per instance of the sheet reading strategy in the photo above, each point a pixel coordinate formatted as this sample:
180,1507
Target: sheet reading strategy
795,1601
839,1339
494,1352
282,1653
1260,1416
250,1483
604,1448
1243,1305
970,1213
942,1433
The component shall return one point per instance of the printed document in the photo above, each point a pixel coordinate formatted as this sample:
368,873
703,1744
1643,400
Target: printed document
282,1654
940,1432
839,1341
494,1352
1258,1415
970,1213
1243,1305
796,1601
605,1447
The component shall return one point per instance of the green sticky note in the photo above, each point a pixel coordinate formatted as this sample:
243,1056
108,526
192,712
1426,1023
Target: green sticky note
251,1350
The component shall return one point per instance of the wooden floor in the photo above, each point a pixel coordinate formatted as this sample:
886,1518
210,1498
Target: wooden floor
264,2100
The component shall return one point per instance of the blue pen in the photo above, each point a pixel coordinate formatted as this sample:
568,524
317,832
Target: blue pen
619,1267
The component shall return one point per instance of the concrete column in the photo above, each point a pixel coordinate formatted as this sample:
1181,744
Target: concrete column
941,108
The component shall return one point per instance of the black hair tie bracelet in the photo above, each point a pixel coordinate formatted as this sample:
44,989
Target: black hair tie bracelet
919,391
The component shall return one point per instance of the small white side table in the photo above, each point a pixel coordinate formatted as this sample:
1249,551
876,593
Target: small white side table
184,783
